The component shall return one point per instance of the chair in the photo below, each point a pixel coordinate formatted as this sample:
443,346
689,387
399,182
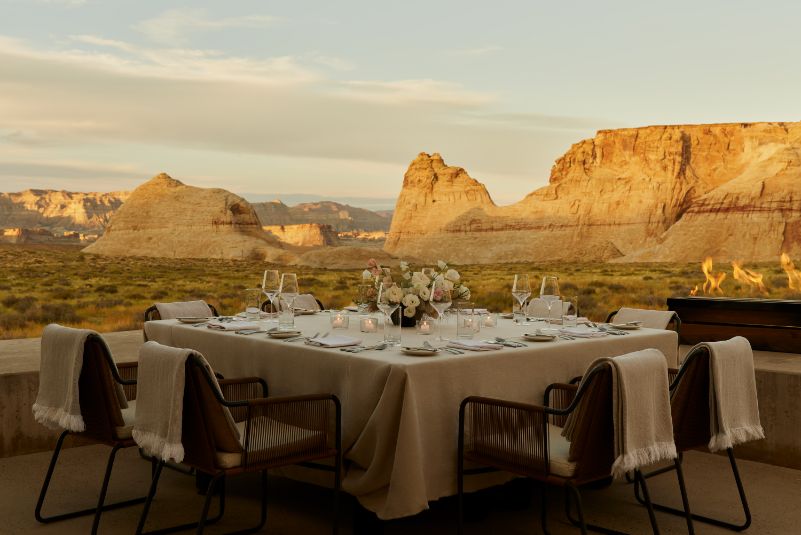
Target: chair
106,422
690,410
273,432
152,313
525,439
652,319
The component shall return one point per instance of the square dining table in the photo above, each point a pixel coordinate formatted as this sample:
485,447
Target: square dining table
399,412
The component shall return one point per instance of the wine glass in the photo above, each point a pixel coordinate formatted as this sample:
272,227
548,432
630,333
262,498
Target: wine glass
549,292
271,285
388,308
288,289
441,301
363,297
521,290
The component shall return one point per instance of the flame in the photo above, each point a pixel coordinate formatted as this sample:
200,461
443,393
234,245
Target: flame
752,278
713,281
793,275
694,291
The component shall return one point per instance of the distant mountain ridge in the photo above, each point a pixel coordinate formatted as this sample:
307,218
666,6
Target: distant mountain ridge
341,217
58,211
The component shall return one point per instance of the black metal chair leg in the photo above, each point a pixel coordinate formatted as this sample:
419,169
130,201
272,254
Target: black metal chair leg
684,500
201,525
573,492
150,495
648,504
544,509
337,491
460,492
38,511
104,488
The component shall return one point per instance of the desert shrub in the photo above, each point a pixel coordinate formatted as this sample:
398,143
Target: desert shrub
63,294
587,291
568,287
107,289
12,320
136,297
615,287
55,313
647,278
159,294
596,284
111,303
19,304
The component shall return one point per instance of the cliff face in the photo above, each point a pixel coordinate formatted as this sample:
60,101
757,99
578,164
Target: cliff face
666,193
59,210
306,235
166,218
340,217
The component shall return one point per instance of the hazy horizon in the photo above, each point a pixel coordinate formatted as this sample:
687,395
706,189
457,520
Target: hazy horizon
335,100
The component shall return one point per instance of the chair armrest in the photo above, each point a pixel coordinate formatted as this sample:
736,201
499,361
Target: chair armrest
128,372
284,427
242,389
559,396
507,434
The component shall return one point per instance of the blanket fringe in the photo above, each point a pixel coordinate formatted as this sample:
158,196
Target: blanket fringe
156,446
58,418
654,453
732,437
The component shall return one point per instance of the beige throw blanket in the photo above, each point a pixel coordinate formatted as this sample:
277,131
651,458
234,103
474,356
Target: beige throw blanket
641,410
183,309
305,302
733,405
651,319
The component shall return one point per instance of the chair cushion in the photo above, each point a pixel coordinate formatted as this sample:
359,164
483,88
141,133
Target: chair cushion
558,450
124,432
280,440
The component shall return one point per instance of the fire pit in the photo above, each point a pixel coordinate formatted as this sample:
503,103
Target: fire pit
769,324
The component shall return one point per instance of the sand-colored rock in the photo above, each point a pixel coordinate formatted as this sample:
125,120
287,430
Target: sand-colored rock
340,217
58,210
667,193
165,218
304,235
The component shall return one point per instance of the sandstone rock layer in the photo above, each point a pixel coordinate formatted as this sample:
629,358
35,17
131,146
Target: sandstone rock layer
58,211
305,235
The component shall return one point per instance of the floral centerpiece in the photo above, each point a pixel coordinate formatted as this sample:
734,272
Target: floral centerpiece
415,290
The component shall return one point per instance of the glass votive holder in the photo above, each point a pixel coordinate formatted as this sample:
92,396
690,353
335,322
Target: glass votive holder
368,324
425,325
468,323
489,320
339,319
253,303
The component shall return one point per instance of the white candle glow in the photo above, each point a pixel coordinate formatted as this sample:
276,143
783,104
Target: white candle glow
339,321
368,325
425,326
489,320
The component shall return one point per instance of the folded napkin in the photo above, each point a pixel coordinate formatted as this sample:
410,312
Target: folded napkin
474,345
582,332
734,410
334,340
183,309
643,426
651,319
232,325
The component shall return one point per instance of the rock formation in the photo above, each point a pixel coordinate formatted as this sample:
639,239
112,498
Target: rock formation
166,218
58,211
341,217
661,193
304,235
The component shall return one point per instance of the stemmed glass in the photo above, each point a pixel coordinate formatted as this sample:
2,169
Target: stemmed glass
366,291
388,308
288,289
441,301
271,284
549,292
521,290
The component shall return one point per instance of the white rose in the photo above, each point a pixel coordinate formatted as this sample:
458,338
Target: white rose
407,275
411,300
425,293
447,285
404,266
465,292
452,275
394,294
409,312
441,264
419,279
366,274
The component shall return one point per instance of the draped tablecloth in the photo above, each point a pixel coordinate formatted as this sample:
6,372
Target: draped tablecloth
400,413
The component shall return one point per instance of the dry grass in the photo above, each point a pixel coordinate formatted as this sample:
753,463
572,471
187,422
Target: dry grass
45,284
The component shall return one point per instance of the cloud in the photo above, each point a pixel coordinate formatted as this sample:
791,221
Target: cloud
475,52
174,26
409,91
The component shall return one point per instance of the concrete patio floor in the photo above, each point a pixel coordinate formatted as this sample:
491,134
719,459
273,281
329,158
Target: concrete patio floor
774,494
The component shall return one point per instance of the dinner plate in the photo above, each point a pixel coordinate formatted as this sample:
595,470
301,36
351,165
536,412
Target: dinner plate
304,312
508,315
193,319
419,351
539,337
284,334
625,326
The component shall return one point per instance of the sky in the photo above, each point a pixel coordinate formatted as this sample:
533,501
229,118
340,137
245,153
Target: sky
334,99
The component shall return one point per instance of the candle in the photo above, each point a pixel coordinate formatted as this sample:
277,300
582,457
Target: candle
424,326
339,321
368,325
490,320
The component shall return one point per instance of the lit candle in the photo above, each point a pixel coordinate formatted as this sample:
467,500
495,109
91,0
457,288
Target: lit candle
424,326
368,325
489,320
338,321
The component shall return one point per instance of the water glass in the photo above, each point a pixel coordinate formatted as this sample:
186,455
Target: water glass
286,318
392,332
570,311
252,303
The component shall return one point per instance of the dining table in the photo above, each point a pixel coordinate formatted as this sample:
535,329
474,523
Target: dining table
400,412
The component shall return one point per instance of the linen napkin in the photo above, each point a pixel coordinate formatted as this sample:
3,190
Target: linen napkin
474,345
733,405
643,427
650,319
232,325
582,332
183,309
57,404
334,340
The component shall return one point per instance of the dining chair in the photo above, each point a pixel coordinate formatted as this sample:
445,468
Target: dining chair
525,439
105,420
651,319
273,432
152,313
690,411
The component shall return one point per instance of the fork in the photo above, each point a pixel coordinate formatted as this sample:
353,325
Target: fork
507,343
295,339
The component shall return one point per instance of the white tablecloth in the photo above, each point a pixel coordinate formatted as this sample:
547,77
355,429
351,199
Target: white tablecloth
400,413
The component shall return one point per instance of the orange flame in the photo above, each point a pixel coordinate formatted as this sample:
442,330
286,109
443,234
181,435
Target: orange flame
713,280
751,278
694,291
793,275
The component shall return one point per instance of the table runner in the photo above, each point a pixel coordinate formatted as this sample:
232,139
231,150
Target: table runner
400,413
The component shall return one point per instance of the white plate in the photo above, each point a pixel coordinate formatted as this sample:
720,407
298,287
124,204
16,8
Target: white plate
304,312
192,320
284,334
419,351
539,337
625,326
507,315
